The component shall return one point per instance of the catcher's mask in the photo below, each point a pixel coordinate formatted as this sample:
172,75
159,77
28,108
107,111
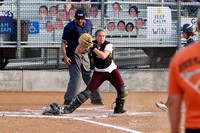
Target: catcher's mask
55,108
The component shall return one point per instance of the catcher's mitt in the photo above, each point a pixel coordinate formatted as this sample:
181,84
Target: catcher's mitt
85,40
54,109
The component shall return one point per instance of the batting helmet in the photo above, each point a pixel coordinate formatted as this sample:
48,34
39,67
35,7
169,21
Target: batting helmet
189,28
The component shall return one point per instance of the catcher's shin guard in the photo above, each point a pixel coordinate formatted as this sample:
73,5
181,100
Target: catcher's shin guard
78,101
120,100
119,106
123,92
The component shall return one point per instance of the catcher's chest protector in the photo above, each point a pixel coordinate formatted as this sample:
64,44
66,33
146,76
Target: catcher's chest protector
100,63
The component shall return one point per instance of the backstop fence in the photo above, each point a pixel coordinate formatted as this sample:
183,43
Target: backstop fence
145,33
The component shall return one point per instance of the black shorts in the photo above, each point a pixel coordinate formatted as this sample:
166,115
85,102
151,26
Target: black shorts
192,130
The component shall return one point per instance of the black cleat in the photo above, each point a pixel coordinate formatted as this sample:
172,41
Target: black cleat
97,102
120,111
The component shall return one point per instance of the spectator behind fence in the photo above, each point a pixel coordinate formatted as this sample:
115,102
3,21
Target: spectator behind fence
43,10
94,11
99,6
49,27
111,27
121,26
183,85
58,25
129,28
133,11
84,6
53,10
192,9
79,65
63,15
116,9
67,7
72,14
139,24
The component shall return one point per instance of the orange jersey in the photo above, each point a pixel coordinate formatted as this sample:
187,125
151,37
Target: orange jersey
184,78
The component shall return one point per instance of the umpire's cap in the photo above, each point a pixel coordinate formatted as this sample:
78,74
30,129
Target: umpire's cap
189,28
80,14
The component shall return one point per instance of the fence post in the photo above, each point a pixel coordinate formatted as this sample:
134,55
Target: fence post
58,57
179,25
102,14
18,31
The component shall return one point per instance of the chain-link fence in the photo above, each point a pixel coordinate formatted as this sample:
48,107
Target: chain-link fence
145,33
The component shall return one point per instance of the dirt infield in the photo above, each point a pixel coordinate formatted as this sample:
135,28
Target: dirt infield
20,112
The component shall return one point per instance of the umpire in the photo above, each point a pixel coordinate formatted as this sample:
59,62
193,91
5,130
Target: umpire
79,64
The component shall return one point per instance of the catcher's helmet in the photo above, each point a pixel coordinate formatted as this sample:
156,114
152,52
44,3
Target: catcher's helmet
189,28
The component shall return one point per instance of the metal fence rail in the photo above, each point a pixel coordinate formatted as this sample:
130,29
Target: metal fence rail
28,49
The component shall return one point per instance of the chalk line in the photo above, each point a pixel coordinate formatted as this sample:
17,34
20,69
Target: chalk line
75,118
71,116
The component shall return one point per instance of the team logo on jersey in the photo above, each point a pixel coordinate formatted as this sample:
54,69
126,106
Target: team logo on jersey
192,79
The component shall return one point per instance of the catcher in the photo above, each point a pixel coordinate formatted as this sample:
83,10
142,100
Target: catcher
104,69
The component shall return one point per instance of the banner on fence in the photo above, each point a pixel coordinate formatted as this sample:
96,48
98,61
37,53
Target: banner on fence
6,22
159,22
